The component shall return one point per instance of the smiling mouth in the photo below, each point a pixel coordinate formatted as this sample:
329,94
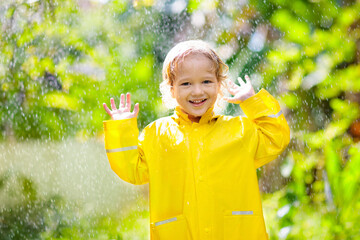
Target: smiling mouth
197,102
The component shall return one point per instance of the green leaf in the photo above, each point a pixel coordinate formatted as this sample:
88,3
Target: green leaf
296,77
193,5
61,100
315,140
143,69
294,30
333,168
291,100
351,175
335,129
345,109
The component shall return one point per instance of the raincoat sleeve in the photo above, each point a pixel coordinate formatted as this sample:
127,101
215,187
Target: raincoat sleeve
124,150
271,129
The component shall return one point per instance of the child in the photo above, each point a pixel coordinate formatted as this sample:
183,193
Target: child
201,167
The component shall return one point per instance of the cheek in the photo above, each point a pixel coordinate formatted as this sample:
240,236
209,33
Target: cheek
215,90
175,92
178,94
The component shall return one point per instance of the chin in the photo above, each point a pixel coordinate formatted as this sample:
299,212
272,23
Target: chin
197,114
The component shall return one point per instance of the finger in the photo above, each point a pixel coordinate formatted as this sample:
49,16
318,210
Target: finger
232,91
247,78
107,109
113,106
136,110
241,82
122,101
231,100
128,101
231,85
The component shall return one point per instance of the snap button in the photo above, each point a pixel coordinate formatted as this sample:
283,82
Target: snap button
207,230
201,178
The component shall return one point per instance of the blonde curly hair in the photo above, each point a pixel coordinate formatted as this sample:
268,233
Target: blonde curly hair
176,55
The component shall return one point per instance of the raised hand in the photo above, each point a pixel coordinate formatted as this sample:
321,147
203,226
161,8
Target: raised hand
240,93
124,108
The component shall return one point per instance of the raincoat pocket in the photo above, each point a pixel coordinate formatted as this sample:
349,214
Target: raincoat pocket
171,229
244,225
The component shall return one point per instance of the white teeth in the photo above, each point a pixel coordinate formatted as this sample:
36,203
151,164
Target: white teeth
197,101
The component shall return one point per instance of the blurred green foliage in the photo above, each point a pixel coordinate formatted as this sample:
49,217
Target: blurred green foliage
59,60
30,216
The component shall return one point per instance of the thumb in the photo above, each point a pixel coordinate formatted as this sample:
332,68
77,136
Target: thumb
231,100
107,109
136,110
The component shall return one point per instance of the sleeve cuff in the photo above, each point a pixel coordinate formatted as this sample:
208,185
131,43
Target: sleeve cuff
260,105
120,133
119,124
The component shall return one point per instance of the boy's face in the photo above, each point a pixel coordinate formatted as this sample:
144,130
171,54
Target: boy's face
195,87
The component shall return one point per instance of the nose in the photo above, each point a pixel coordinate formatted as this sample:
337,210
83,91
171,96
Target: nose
197,90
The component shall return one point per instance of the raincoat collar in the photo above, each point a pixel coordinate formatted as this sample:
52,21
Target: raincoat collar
182,118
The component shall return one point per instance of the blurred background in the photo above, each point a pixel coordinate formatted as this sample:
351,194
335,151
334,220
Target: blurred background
60,60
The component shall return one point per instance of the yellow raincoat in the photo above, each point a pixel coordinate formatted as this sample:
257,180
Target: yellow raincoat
202,176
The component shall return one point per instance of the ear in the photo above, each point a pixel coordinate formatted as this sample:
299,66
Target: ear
219,84
172,91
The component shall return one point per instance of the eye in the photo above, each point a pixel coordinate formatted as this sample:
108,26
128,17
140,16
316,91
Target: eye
185,84
207,81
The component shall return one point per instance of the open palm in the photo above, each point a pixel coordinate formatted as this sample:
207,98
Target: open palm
123,112
240,93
